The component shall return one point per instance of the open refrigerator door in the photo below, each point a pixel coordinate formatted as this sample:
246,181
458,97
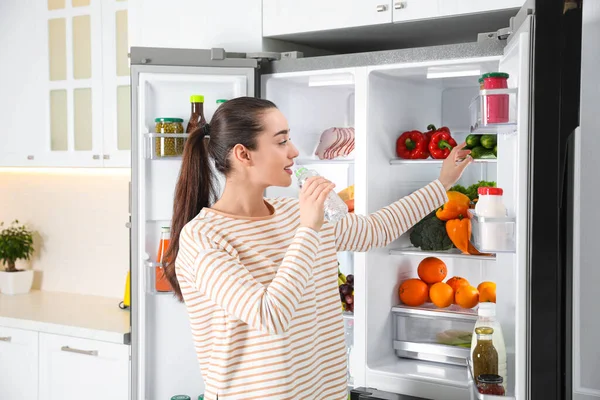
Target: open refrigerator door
164,360
319,103
403,350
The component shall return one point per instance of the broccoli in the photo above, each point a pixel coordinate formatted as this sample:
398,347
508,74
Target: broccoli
471,191
430,234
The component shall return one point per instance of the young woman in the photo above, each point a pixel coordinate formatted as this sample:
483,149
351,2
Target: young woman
259,276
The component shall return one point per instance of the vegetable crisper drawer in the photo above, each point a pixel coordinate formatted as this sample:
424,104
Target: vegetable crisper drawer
432,334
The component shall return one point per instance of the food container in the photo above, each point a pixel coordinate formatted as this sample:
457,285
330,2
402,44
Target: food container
433,334
497,104
475,394
490,384
164,146
485,117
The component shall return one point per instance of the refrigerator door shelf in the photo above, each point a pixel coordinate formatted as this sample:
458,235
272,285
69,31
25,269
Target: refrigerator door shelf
493,235
432,334
494,111
475,393
452,253
158,146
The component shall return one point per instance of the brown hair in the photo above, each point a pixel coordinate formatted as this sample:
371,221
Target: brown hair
236,121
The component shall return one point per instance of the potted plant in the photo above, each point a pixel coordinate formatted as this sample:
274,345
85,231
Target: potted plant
16,243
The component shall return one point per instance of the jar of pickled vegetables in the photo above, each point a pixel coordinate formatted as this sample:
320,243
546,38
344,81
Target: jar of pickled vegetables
168,147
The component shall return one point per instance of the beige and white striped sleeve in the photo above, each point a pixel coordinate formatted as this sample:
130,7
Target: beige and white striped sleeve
362,233
225,280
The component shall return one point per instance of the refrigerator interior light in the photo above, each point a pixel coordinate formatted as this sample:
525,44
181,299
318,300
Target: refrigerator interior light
452,71
330,80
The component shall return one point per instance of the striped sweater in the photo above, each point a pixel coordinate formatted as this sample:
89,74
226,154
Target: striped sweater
263,300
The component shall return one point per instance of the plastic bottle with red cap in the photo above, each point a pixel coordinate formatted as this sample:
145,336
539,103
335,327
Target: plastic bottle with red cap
489,206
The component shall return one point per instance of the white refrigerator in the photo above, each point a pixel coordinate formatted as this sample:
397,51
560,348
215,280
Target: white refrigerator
380,95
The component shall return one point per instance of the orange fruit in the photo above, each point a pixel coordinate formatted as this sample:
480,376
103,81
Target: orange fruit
456,281
432,270
413,292
487,291
441,294
466,296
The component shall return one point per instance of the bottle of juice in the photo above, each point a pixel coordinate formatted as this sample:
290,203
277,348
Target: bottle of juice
162,284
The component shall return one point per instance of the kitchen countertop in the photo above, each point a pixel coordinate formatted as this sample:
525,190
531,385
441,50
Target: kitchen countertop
89,317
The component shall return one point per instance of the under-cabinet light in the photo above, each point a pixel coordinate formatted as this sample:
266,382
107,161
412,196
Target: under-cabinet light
436,73
67,171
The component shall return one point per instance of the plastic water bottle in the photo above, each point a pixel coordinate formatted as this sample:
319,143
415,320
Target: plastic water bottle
335,208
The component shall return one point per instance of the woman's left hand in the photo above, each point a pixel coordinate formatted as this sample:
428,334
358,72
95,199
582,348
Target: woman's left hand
454,165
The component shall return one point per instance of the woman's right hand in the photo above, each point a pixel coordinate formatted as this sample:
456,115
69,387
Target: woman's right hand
312,200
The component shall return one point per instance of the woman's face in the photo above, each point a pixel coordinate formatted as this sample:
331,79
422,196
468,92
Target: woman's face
275,153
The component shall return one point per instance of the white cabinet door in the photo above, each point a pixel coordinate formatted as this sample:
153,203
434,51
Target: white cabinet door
460,7
18,364
116,146
282,17
412,10
73,368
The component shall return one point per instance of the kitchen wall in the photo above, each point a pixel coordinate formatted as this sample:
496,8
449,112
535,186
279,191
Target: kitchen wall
82,245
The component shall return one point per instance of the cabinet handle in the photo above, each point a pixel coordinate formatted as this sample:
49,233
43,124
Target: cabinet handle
96,157
5,339
106,156
84,352
382,8
400,5
30,157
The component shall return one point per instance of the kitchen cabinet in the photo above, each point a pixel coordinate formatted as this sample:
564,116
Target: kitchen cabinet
18,364
460,7
412,10
72,368
281,17
69,93
286,17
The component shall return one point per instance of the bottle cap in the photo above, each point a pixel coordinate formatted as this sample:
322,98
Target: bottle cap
495,75
484,330
490,191
181,397
299,171
490,379
168,120
221,101
487,309
165,229
197,98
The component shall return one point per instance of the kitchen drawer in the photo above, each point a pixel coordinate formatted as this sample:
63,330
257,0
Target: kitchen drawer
72,368
18,364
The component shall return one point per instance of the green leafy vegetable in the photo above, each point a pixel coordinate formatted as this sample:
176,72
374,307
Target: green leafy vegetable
430,234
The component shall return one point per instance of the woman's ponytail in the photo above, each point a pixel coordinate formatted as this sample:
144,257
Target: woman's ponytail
195,190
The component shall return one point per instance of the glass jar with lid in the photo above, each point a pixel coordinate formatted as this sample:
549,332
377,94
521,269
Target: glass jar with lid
167,147
490,384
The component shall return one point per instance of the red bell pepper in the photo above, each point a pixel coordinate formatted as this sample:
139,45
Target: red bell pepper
432,130
412,145
441,144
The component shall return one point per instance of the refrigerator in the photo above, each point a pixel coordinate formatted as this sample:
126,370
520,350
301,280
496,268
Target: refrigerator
380,95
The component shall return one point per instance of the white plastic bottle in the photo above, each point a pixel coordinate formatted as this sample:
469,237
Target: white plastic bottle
487,317
335,208
490,206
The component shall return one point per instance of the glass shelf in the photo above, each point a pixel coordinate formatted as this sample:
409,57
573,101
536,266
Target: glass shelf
398,161
452,253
